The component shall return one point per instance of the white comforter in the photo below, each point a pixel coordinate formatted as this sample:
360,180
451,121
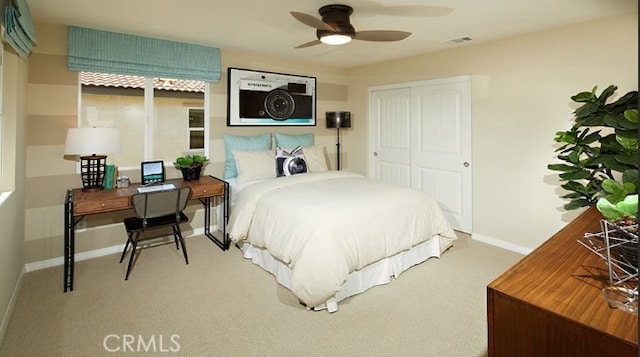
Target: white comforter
326,225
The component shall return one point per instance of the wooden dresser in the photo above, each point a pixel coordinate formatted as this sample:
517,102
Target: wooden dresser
550,303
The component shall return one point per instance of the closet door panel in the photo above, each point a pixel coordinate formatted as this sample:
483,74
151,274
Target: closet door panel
441,148
391,116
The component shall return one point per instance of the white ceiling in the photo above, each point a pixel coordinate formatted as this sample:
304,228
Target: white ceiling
266,27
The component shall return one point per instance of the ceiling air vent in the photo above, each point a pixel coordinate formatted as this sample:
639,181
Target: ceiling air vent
461,39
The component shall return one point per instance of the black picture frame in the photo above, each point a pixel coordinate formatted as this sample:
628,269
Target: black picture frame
261,98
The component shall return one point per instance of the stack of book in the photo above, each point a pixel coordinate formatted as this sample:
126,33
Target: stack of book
110,174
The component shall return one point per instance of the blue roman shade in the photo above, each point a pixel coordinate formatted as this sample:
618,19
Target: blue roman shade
109,52
18,27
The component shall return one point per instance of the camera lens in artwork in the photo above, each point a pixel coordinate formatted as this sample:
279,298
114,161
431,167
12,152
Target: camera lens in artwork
279,104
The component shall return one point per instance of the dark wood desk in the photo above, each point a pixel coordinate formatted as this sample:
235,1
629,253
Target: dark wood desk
79,203
550,303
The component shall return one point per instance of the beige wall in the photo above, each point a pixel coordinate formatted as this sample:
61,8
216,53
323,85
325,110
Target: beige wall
12,212
521,89
52,108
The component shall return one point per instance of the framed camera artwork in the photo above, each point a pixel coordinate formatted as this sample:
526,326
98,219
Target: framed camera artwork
256,98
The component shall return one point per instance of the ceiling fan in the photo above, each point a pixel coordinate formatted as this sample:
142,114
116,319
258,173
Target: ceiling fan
335,27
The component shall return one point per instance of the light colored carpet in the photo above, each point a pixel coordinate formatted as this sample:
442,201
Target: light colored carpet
223,305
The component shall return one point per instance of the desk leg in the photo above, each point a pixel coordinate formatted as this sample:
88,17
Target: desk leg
69,243
222,244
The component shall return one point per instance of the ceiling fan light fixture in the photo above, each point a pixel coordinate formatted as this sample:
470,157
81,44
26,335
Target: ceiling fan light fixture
335,27
335,39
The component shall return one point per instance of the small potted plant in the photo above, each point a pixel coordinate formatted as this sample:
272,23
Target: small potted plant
191,166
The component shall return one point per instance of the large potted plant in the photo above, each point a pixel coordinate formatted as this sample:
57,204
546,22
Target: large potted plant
600,152
600,168
191,166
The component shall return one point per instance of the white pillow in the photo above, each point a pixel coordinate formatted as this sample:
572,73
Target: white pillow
315,158
244,143
254,165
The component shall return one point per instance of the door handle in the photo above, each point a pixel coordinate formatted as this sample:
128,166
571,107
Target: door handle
375,153
465,164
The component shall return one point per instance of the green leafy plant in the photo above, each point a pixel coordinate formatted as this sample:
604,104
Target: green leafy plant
625,208
620,200
190,161
600,151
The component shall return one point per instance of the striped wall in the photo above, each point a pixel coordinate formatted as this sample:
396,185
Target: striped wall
52,107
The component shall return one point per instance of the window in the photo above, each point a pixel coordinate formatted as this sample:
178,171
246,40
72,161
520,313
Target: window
158,118
196,129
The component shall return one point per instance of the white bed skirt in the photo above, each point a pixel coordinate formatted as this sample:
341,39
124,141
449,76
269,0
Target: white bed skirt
359,281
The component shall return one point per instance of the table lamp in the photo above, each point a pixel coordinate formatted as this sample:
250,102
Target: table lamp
338,120
91,144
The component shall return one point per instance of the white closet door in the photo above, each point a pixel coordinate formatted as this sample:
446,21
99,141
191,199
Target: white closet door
421,137
390,118
441,146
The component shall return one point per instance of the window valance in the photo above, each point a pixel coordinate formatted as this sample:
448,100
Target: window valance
109,52
18,27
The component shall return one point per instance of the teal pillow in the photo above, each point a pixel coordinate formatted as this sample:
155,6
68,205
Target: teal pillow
290,141
242,143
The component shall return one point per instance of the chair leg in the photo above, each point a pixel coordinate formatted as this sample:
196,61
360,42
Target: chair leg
178,233
124,252
134,245
175,237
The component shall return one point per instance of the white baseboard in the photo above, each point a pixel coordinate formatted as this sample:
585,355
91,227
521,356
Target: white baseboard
12,302
501,244
53,262
43,264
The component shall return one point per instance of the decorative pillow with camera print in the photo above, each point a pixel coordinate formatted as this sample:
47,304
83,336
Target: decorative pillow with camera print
290,163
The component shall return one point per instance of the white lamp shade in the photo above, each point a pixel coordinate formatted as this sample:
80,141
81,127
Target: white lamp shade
89,141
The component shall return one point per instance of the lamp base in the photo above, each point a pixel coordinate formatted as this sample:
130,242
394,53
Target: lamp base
92,172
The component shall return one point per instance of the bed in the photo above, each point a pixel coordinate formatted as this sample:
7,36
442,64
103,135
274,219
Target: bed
330,235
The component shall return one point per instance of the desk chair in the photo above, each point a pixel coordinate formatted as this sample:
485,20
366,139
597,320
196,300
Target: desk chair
154,210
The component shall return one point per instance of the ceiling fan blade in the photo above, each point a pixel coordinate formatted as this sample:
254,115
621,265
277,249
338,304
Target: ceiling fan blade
381,35
309,44
311,21
415,11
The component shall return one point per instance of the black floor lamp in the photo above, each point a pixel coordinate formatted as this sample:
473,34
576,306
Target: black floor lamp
338,120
